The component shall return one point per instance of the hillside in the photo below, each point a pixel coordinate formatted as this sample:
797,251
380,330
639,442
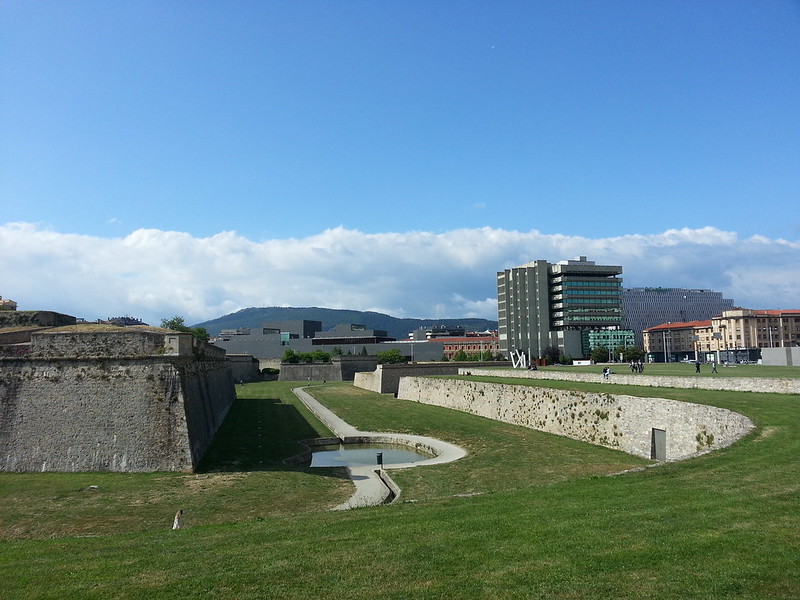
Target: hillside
329,317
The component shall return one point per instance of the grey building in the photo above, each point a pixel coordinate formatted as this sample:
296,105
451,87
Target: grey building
542,304
351,333
647,307
271,341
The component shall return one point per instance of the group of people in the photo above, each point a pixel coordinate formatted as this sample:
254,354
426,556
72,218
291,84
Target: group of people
636,367
697,364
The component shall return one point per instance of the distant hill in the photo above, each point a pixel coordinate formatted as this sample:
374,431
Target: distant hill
329,317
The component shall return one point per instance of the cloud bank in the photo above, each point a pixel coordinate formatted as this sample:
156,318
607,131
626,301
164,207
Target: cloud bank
153,274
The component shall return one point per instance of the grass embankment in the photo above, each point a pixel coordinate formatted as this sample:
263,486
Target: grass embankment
725,525
681,369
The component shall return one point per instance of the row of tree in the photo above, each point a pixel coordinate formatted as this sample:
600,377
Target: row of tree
627,354
293,357
555,356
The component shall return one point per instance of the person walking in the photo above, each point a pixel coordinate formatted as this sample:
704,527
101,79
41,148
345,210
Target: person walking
713,366
697,366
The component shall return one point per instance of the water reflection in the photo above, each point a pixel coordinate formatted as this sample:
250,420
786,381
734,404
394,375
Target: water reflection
356,455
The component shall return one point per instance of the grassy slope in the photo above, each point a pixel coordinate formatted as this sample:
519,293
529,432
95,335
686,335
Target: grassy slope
721,526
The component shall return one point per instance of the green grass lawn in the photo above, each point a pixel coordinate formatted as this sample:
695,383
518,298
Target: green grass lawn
525,515
687,370
241,479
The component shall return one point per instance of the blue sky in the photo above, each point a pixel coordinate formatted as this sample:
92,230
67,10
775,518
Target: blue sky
521,130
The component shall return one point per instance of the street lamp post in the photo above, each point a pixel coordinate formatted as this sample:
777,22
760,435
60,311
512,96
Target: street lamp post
666,336
695,339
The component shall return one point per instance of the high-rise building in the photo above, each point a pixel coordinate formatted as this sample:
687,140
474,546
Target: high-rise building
647,307
542,304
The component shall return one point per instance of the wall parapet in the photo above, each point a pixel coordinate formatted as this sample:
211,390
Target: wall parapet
621,422
732,384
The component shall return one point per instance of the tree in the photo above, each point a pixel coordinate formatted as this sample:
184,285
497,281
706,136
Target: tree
599,354
630,353
390,357
460,355
291,357
177,323
320,356
337,351
552,354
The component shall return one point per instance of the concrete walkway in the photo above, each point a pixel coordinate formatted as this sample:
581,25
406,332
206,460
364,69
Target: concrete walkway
373,485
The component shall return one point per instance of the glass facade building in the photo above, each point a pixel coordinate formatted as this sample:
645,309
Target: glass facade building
647,307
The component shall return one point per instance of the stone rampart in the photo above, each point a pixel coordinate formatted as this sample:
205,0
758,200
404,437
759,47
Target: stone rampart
310,372
78,411
120,342
34,318
386,378
352,365
733,384
341,368
621,422
244,368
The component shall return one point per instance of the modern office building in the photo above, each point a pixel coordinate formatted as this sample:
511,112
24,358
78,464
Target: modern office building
542,304
647,307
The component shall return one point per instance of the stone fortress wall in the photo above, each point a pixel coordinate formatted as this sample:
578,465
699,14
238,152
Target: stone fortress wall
341,368
111,399
621,422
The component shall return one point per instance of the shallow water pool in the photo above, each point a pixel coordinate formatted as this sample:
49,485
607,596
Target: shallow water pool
359,455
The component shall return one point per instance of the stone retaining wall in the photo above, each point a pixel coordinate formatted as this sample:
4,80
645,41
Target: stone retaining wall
734,384
386,378
616,421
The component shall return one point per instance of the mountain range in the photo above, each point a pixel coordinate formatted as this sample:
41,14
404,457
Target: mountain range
255,318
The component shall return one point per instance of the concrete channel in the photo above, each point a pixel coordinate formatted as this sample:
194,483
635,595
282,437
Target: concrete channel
373,485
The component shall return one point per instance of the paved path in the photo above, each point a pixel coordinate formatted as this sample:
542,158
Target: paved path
374,486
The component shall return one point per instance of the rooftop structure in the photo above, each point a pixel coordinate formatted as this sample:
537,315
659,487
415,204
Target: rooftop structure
7,304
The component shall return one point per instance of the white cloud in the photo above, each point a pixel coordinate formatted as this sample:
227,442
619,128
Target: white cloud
153,274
